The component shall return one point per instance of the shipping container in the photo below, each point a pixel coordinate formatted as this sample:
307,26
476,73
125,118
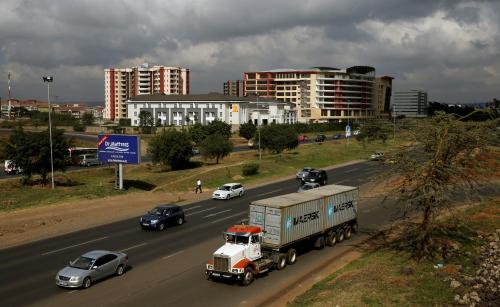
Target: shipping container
289,218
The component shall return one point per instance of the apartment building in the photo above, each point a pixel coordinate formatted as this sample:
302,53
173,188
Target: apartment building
319,94
412,103
233,88
180,110
121,84
382,92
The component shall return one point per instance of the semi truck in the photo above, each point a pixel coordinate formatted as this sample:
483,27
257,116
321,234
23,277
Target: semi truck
279,226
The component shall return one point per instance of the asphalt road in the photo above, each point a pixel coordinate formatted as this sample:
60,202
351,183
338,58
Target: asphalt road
167,267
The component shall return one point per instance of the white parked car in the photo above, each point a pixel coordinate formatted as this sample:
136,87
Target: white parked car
228,191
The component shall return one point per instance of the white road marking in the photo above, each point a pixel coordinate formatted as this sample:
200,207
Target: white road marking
71,246
132,247
216,213
270,192
200,211
72,291
228,217
187,209
351,170
172,255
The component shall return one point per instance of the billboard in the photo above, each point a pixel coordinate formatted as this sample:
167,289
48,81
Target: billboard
119,148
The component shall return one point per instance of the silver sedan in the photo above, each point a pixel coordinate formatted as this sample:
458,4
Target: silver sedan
91,267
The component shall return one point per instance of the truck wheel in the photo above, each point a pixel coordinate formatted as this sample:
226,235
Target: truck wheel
291,256
348,232
320,243
340,235
331,238
247,277
281,262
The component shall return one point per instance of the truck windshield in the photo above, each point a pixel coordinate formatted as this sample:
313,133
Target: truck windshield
232,238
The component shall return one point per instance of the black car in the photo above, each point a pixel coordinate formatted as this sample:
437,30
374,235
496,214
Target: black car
159,217
320,138
318,176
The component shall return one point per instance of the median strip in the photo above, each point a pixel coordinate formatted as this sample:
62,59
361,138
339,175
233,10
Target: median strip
68,247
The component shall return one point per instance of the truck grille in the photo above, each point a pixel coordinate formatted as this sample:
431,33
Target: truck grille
221,264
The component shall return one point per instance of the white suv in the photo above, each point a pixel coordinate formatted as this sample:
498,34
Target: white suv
228,191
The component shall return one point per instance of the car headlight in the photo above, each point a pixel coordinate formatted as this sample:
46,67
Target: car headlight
140,219
154,221
210,266
312,179
74,278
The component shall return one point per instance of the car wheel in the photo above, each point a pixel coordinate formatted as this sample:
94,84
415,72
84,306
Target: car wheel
180,221
247,277
87,282
161,226
228,196
241,194
120,270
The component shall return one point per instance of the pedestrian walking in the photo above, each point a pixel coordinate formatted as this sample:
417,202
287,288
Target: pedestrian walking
198,186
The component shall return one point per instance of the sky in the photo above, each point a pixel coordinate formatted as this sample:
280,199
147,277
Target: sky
449,48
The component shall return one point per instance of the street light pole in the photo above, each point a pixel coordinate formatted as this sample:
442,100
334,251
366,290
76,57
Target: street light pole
49,80
258,126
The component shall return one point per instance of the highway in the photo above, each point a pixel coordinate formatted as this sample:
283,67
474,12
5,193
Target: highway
167,267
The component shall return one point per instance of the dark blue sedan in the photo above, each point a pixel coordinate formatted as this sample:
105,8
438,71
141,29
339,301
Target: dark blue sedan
161,216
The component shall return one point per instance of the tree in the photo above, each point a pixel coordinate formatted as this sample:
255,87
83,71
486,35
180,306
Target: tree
247,130
88,118
216,146
171,148
197,133
218,127
31,151
278,138
439,161
146,121
188,120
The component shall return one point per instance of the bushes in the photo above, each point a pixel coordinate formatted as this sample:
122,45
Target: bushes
79,127
250,169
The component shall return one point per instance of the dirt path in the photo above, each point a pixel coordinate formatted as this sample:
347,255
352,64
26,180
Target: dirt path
32,224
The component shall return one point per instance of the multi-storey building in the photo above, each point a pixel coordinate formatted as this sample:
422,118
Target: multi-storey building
319,94
180,110
120,84
412,103
233,88
382,92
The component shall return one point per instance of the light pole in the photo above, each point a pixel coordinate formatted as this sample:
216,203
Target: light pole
49,80
394,122
258,126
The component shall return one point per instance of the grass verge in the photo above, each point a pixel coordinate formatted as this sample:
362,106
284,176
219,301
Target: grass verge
382,278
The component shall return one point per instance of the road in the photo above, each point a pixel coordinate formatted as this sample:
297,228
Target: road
167,267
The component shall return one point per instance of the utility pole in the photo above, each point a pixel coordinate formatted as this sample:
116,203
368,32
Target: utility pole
258,126
8,78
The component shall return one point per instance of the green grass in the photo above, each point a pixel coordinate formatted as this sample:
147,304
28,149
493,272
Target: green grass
97,183
376,279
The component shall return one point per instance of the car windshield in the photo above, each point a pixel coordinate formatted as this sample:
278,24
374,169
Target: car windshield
156,211
232,238
83,263
225,188
307,169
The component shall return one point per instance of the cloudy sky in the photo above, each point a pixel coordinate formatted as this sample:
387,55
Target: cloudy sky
450,48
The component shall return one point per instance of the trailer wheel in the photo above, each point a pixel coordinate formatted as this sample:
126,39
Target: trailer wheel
331,238
281,262
348,232
247,276
291,256
340,235
320,242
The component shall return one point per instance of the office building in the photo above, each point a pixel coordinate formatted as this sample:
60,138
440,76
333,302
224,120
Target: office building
182,110
318,94
412,103
382,92
233,88
121,84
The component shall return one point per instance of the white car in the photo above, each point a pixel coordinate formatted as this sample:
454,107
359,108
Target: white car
228,191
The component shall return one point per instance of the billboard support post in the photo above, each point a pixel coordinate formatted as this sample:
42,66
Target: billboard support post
119,176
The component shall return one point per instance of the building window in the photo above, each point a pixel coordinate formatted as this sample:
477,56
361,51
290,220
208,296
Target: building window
135,113
220,114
